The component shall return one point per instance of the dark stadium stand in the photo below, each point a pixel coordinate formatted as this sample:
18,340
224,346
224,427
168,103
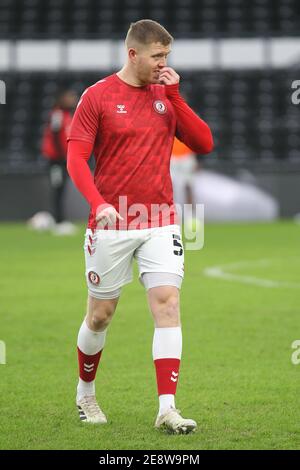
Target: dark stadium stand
250,112
254,123
184,18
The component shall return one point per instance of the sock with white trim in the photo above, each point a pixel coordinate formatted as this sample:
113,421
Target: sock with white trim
167,349
89,347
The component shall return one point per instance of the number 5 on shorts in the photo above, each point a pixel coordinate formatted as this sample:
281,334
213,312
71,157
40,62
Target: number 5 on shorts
177,243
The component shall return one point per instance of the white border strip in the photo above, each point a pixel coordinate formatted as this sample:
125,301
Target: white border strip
187,54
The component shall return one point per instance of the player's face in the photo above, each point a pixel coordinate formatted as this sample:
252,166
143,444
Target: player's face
150,60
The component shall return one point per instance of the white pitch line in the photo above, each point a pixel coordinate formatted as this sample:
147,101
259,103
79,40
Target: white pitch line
219,272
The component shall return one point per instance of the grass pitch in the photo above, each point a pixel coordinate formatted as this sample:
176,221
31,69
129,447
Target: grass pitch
237,379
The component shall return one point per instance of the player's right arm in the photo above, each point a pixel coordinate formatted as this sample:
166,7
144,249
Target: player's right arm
81,140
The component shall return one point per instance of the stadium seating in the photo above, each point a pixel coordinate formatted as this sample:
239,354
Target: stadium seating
184,18
250,112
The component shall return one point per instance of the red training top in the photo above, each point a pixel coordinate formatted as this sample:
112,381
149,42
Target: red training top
131,132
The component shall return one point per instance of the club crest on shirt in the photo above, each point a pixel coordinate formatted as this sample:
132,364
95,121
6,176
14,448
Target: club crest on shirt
160,107
94,278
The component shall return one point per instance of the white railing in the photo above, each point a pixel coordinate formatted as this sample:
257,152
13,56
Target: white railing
187,54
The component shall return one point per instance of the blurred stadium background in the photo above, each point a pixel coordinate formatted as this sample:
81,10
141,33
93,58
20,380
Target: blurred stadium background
237,60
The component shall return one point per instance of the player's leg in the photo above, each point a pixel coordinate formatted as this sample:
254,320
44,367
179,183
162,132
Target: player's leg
189,195
167,348
57,183
62,192
108,257
177,180
163,252
90,344
167,340
188,174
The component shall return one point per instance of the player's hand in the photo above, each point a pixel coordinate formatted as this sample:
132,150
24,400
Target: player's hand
168,76
107,215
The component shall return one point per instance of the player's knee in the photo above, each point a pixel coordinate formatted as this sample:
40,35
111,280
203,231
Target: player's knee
101,315
172,306
100,312
168,310
100,319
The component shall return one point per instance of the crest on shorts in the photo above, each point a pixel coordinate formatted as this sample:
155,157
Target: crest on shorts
94,278
160,107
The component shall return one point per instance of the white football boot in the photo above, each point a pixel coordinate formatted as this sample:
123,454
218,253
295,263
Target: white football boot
89,410
174,423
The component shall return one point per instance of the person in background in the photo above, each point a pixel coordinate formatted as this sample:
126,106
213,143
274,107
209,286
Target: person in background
183,166
54,149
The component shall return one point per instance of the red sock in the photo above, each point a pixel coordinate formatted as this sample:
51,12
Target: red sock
167,373
88,365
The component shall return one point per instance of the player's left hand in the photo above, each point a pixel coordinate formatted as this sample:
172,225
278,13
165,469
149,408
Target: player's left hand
168,76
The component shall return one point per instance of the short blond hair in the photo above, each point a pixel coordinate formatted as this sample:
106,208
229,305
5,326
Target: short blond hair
145,32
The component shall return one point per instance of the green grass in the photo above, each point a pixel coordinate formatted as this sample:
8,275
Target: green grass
237,379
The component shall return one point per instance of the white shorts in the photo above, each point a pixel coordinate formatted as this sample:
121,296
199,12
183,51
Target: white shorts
109,256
